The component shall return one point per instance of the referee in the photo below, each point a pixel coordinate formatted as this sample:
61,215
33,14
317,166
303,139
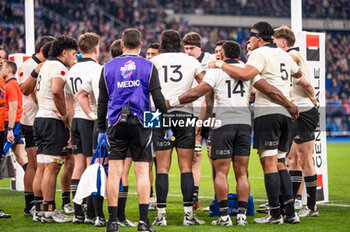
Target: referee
125,84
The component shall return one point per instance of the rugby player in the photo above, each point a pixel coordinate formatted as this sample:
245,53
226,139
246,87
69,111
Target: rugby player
177,73
152,51
192,45
87,68
303,144
51,123
30,69
126,101
231,141
272,122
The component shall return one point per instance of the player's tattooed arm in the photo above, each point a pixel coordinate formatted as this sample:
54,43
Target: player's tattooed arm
209,100
195,93
276,95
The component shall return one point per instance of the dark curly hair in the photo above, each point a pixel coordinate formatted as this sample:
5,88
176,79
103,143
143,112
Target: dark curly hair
43,40
62,42
171,41
265,31
46,49
231,49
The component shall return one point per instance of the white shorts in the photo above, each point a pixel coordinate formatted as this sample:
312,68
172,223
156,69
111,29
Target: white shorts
46,159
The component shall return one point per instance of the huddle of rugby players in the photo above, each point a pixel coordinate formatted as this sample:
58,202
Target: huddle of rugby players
72,106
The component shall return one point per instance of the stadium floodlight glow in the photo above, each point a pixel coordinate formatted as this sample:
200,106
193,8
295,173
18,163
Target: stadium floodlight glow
29,26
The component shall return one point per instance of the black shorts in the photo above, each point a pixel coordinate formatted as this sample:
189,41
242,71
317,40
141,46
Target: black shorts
133,136
184,136
306,125
210,136
28,136
50,136
273,131
81,136
230,140
205,132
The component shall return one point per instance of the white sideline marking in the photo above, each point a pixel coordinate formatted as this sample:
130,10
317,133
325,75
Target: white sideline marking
211,197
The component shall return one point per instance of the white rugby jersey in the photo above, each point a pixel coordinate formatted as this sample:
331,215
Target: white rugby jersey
231,96
84,73
204,59
276,67
53,67
30,107
301,98
177,72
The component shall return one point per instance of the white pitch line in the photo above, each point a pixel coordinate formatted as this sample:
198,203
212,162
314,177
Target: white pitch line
211,197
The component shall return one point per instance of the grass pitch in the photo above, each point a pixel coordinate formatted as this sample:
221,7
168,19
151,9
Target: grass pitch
332,216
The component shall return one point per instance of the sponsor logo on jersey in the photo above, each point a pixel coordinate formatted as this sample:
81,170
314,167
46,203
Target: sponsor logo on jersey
127,69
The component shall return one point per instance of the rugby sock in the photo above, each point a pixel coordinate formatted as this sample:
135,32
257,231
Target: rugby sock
123,195
49,206
90,207
65,198
151,193
282,209
162,188
242,207
98,206
287,192
113,211
78,209
144,213
296,177
38,201
272,185
25,166
311,185
223,205
187,184
195,193
29,199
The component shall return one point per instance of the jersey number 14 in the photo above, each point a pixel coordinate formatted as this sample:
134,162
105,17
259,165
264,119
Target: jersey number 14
238,89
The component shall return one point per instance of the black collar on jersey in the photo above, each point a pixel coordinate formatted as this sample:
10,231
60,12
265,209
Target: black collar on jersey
85,59
129,54
231,61
55,58
270,45
200,58
291,49
36,59
13,78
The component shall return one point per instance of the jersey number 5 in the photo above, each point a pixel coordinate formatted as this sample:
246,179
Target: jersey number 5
176,70
237,89
283,71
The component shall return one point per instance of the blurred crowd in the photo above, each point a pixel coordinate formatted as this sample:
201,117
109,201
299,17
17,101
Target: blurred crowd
151,17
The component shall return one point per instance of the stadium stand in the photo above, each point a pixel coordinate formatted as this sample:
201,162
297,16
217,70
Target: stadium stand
109,18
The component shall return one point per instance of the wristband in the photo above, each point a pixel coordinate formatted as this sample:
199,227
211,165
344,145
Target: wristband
9,128
34,74
219,63
174,102
92,115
